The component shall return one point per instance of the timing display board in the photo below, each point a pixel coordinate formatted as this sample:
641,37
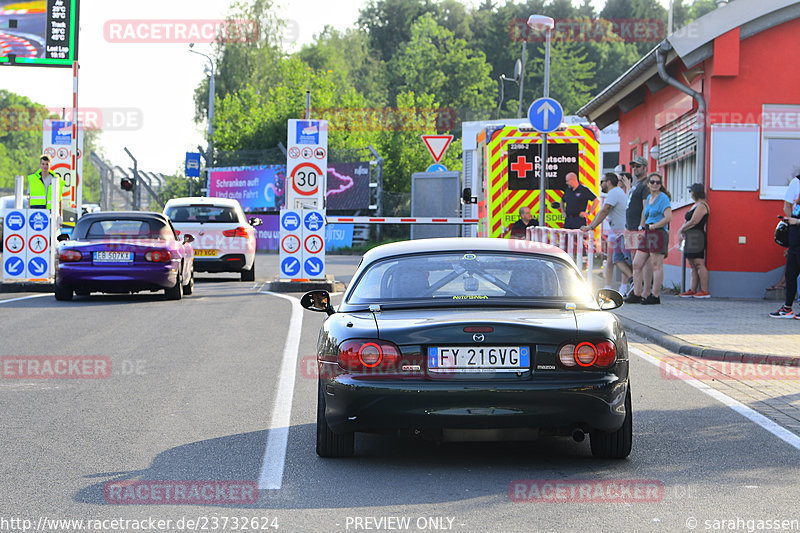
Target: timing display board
39,34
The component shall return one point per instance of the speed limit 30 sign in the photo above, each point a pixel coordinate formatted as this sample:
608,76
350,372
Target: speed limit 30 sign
306,178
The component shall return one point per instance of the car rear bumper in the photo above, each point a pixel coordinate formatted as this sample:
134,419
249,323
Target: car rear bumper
156,276
224,263
355,405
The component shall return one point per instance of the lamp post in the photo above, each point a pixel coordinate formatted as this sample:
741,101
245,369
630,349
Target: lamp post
546,24
210,151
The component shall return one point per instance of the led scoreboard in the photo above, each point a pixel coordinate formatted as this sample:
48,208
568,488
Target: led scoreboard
41,33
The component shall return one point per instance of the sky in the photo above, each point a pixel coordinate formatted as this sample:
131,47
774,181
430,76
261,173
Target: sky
144,91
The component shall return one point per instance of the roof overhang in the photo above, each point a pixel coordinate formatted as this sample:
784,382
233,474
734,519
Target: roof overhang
692,44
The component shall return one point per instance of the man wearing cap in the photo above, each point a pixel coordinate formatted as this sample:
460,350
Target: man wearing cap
633,217
41,183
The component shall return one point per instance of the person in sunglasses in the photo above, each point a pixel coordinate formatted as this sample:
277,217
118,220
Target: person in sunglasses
637,192
656,215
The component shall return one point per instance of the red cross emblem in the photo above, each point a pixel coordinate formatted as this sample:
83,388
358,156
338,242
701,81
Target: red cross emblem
521,167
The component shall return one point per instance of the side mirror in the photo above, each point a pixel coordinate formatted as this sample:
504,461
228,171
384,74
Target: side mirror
466,196
63,237
188,238
609,299
317,301
255,221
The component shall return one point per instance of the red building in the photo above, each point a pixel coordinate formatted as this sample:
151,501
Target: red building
742,61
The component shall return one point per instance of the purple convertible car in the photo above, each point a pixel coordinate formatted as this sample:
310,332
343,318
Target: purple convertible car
121,252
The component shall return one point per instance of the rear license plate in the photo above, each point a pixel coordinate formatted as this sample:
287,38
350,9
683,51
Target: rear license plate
478,359
112,257
206,253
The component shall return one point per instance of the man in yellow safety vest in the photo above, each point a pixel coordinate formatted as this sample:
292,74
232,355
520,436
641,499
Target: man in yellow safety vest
40,185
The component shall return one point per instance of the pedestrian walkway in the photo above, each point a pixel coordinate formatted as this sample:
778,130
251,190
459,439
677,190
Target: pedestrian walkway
721,328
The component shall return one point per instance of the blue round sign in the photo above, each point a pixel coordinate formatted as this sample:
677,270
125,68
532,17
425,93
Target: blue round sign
15,220
314,221
314,266
37,266
14,266
290,267
437,167
290,221
38,221
545,115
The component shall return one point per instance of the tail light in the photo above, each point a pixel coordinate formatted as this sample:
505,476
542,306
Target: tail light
158,256
588,354
69,256
241,231
369,355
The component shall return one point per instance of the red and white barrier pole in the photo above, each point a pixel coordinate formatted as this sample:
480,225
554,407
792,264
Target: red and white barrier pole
74,200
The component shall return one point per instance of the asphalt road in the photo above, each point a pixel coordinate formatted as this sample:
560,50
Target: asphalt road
197,390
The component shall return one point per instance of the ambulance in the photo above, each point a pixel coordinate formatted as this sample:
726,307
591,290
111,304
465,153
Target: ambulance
501,172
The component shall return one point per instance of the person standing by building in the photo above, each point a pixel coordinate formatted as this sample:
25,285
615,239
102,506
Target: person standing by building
614,210
696,241
791,211
520,227
656,215
633,217
44,185
575,202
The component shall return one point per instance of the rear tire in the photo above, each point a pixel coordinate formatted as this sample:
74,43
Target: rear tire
63,294
189,287
615,444
174,293
250,275
330,444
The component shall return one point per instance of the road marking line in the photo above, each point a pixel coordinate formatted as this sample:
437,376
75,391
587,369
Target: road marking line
773,427
271,475
25,298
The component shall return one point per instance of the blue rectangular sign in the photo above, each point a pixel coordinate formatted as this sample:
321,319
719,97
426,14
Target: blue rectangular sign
192,164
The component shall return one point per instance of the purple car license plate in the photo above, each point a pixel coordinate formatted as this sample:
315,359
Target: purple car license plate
478,359
112,257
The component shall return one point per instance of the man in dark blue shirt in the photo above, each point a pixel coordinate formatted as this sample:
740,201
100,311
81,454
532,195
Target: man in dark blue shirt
575,202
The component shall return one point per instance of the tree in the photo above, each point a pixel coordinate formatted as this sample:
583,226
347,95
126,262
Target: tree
349,57
434,62
388,23
247,58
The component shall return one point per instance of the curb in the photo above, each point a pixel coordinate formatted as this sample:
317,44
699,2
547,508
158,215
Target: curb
680,346
27,286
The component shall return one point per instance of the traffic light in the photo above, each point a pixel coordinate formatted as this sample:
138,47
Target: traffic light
126,184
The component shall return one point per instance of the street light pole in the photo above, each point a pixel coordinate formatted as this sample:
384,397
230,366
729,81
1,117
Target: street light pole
541,22
211,93
522,77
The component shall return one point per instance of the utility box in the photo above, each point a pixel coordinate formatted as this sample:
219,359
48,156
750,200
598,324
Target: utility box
435,194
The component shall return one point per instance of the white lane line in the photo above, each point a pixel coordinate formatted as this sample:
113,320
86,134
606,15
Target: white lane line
271,475
779,431
25,298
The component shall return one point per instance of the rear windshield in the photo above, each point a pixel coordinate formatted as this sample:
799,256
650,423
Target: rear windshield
128,228
202,213
469,276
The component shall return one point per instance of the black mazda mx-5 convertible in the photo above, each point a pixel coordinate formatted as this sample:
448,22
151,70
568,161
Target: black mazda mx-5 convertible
472,339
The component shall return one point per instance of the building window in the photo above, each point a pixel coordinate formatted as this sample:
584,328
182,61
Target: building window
610,160
677,149
681,174
780,144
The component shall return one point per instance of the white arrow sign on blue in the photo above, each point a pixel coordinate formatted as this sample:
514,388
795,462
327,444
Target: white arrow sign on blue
545,115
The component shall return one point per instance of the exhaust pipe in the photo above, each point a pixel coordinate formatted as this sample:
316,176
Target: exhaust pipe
578,435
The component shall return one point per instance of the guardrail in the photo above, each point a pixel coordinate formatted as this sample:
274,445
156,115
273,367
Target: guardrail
577,244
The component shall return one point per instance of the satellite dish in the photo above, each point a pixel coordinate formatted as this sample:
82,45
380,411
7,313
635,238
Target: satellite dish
517,70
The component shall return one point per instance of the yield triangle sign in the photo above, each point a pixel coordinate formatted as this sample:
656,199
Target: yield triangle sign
437,144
